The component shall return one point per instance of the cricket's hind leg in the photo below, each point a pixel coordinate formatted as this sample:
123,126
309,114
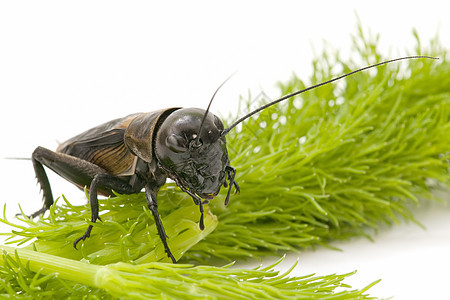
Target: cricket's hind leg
76,170
80,172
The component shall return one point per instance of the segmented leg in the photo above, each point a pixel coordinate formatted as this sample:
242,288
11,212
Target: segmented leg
82,173
103,181
150,193
197,201
71,168
231,173
41,176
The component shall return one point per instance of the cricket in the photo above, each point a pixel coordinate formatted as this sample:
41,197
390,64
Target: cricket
142,150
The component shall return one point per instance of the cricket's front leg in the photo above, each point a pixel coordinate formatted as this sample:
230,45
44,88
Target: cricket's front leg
196,200
231,173
150,193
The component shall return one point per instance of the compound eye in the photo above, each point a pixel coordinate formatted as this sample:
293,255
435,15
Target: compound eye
176,143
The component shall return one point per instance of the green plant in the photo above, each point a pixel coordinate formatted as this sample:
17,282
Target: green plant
334,163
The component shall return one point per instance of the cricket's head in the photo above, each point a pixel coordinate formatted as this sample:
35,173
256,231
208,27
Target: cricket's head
190,147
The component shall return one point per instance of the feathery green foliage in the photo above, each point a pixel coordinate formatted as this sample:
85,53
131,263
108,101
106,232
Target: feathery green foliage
339,160
333,163
23,270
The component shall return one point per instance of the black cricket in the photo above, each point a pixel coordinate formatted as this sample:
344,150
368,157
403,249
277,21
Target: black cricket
142,150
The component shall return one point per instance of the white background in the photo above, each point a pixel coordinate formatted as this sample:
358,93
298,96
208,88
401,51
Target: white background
67,66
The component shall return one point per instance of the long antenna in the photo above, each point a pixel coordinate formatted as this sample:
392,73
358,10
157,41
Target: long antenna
207,109
225,131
